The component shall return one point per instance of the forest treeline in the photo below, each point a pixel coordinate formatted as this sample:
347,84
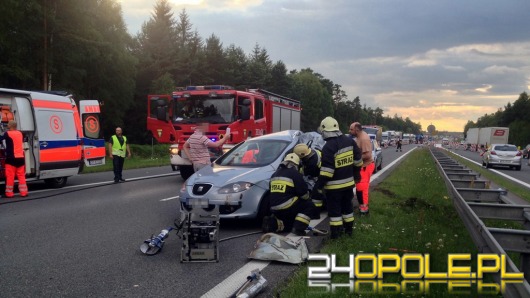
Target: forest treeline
83,47
516,116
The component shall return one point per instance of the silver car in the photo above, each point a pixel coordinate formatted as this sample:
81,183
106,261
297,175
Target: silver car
502,155
377,155
238,181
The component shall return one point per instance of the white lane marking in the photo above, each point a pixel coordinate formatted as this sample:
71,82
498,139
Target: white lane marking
232,283
170,198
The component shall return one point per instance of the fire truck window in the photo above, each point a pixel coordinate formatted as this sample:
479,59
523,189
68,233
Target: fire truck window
258,109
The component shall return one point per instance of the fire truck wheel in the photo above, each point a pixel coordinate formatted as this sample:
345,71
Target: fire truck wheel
56,182
186,171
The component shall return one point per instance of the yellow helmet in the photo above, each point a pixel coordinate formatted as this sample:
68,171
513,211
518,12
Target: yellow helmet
329,124
292,158
302,150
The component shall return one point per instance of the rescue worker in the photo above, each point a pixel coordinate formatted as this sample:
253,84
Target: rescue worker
310,168
365,144
399,143
15,162
118,146
289,199
341,164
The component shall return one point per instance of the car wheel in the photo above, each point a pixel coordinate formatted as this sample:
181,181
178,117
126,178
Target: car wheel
56,182
174,168
488,166
518,168
380,166
186,171
483,164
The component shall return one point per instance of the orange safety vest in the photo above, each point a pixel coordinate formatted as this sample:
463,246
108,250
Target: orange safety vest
18,148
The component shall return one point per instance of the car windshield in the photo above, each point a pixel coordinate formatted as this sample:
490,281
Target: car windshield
253,153
203,109
505,148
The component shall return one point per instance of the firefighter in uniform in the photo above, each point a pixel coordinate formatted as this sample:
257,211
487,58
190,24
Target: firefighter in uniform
341,164
15,162
311,160
289,199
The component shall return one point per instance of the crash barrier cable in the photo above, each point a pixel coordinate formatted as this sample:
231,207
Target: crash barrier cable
473,200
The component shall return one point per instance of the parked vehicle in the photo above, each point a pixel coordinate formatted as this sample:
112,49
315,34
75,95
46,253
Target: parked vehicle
377,154
485,136
60,138
238,181
173,117
502,155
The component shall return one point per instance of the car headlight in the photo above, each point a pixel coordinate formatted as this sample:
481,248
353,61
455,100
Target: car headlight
173,151
235,187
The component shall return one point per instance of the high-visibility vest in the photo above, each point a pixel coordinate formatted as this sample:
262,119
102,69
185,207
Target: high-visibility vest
118,149
18,148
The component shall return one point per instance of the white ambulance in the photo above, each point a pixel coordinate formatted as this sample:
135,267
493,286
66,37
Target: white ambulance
59,138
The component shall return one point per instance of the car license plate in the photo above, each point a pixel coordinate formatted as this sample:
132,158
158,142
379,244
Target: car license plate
505,161
95,162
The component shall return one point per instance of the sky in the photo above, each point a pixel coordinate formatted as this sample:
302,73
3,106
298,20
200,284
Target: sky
440,62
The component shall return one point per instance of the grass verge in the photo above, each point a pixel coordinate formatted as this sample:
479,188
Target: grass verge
143,156
410,211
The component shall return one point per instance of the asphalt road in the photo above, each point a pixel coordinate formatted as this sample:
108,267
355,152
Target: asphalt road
522,175
83,240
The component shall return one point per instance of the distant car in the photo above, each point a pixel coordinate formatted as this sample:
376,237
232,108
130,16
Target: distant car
502,155
238,181
526,151
377,154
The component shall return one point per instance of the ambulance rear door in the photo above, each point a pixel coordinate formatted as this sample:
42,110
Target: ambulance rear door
92,143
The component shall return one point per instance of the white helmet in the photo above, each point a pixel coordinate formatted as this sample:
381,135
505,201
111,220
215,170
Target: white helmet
302,150
329,124
292,158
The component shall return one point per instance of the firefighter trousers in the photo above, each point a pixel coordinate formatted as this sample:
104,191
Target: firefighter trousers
362,187
20,173
340,211
297,216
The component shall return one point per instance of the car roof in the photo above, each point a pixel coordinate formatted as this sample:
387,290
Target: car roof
285,135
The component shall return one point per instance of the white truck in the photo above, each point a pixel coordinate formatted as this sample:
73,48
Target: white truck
472,136
493,135
485,136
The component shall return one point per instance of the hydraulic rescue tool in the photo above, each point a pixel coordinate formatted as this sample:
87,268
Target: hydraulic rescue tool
254,284
198,227
153,245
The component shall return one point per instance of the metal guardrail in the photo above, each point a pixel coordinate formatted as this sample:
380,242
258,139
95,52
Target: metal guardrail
474,200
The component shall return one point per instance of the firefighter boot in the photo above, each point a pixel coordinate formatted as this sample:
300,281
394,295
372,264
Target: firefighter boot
271,224
335,231
348,228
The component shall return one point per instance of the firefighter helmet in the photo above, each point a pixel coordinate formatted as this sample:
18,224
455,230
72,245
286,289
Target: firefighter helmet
292,158
329,124
302,150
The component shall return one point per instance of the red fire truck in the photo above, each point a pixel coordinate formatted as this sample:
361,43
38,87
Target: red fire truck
172,118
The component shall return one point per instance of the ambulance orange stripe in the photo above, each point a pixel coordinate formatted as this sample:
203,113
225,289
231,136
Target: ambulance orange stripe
52,104
94,152
60,154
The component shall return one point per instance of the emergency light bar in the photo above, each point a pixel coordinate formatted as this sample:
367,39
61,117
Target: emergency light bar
209,87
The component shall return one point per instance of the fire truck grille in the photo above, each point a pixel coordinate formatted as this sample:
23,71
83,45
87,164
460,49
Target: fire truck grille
201,189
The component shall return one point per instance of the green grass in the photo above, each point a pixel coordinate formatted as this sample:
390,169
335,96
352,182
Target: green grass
410,211
143,156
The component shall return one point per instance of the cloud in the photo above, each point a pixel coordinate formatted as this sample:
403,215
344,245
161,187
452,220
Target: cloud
453,60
